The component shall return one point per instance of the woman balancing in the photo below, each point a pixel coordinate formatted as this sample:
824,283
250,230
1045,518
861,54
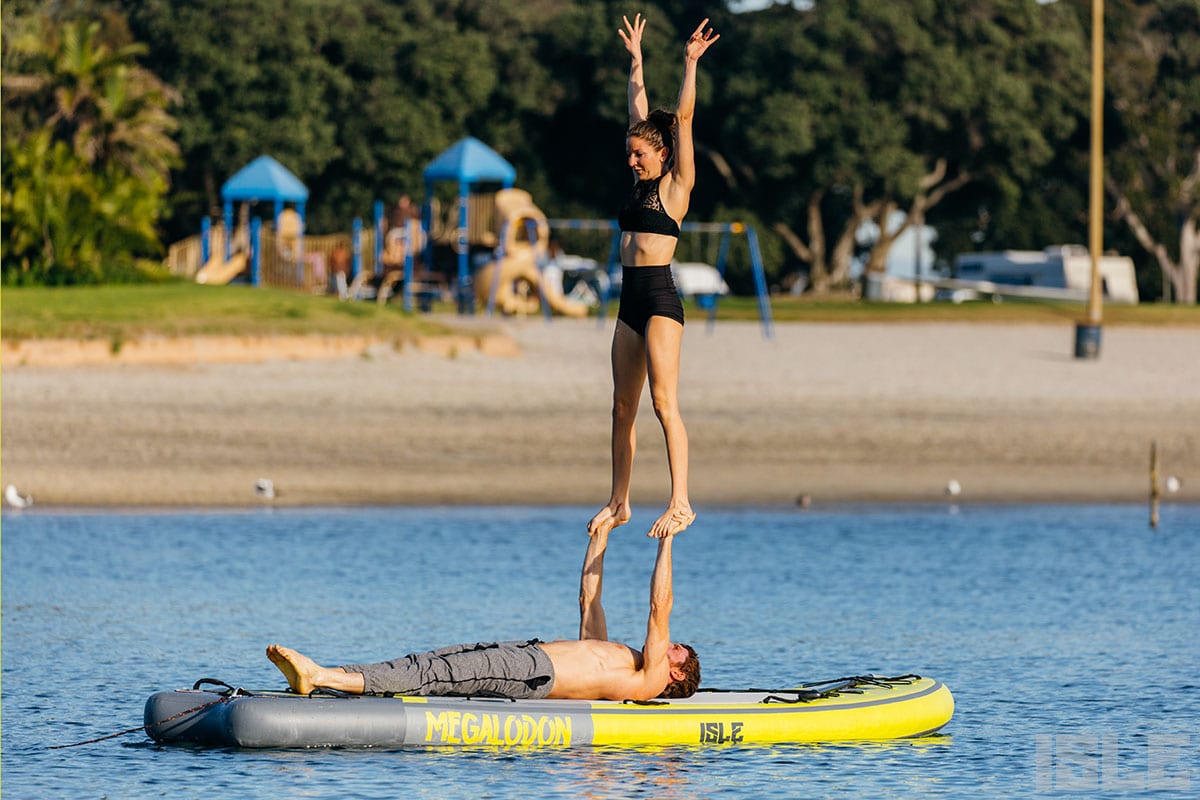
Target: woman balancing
649,330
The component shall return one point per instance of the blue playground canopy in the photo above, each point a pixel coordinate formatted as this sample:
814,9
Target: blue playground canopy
468,161
264,178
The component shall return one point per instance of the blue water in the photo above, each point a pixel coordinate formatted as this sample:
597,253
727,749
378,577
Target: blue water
1070,636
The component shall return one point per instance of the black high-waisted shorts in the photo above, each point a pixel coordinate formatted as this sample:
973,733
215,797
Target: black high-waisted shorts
648,292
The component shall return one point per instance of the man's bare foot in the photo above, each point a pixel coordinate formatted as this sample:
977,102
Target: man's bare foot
301,671
609,517
675,519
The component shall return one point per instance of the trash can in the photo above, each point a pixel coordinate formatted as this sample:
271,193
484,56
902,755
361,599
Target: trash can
1087,340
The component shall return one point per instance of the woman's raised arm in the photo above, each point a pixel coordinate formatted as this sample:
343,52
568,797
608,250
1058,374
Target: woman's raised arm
639,107
684,170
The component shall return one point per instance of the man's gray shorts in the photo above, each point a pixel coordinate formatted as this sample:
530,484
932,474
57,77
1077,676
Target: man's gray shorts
520,670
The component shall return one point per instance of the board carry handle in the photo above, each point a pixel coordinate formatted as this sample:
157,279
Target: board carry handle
230,690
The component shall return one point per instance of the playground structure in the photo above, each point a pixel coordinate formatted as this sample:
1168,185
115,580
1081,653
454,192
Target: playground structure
467,163
224,253
505,230
262,180
217,269
508,270
515,281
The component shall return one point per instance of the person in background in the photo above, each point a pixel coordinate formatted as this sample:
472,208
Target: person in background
339,267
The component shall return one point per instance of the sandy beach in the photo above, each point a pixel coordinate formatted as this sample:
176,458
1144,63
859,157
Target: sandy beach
834,412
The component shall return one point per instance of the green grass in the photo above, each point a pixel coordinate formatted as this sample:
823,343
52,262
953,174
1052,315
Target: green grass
124,313
790,309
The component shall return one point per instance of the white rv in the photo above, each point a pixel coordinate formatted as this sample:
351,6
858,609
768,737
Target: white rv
1063,271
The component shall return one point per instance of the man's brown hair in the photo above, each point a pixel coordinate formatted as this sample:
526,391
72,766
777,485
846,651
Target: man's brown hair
690,682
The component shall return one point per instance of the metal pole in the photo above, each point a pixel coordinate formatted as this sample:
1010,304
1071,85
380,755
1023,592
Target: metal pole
355,247
256,252
917,230
410,240
497,257
722,256
228,230
466,297
205,240
1154,490
380,233
531,235
614,261
760,283
1087,333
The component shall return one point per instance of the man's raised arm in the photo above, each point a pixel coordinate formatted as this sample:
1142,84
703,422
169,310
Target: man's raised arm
656,667
592,624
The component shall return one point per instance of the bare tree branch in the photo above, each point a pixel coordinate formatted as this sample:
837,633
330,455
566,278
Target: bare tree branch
935,177
1187,189
720,163
936,196
793,241
1146,239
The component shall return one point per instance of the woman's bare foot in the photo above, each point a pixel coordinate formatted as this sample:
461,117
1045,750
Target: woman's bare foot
609,517
675,519
301,671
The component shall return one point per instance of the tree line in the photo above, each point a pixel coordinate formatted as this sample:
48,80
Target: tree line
122,119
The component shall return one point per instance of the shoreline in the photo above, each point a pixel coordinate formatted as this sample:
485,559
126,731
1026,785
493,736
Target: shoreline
829,506
166,351
843,413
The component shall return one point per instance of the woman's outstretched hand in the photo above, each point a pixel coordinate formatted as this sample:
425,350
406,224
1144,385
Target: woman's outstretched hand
632,36
699,42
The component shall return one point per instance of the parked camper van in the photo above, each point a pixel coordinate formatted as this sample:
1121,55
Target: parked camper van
1064,270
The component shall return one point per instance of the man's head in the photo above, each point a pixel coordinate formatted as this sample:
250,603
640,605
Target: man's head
685,672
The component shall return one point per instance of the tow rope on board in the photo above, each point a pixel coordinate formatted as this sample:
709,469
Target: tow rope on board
807,692
229,693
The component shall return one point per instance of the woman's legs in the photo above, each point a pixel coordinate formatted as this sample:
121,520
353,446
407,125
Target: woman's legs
664,338
629,375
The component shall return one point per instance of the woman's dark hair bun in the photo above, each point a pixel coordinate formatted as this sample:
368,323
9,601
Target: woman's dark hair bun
665,121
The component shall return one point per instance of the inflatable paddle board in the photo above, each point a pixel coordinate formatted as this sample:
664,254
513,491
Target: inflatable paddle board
856,708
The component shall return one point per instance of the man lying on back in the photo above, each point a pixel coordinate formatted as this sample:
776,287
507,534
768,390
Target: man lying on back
588,668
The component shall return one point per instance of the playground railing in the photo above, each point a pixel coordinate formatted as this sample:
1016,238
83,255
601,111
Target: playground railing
307,270
184,257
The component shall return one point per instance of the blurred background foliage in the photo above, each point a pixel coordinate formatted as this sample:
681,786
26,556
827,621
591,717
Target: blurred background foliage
122,119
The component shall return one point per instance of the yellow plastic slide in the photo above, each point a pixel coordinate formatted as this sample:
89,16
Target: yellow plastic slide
218,271
518,289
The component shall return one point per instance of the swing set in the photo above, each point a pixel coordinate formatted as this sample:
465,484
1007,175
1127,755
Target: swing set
725,230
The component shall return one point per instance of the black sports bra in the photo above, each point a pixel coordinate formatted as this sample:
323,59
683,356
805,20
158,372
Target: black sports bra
643,211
